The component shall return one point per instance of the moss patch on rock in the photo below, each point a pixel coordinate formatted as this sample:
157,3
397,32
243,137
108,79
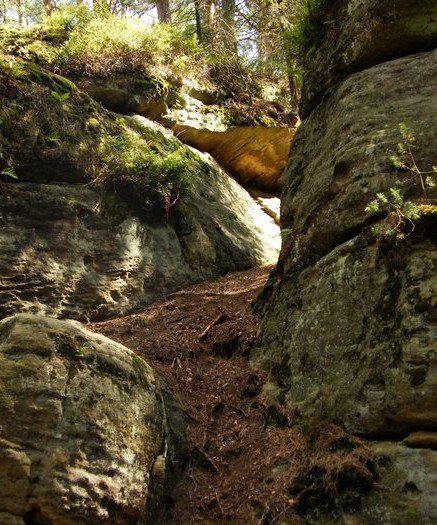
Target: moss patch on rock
52,132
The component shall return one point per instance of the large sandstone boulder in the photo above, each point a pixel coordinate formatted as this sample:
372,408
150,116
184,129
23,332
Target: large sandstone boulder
349,316
356,337
341,154
83,427
349,327
254,156
71,251
356,34
113,228
146,96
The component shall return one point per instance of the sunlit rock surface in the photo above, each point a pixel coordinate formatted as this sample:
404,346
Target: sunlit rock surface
255,156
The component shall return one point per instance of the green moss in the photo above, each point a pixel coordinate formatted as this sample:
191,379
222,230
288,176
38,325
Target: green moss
153,85
47,124
141,371
153,173
55,82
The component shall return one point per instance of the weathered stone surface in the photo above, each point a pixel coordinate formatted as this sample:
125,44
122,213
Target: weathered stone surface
69,251
341,154
83,426
357,34
405,493
254,156
145,97
422,440
350,328
352,338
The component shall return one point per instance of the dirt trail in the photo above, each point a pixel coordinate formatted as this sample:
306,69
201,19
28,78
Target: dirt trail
246,459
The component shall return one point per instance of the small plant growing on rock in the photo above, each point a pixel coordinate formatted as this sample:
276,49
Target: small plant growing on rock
9,173
401,214
152,174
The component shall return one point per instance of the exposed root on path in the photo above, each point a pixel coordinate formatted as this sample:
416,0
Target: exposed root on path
248,464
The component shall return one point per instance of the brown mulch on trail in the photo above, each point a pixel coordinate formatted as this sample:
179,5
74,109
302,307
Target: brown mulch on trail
247,463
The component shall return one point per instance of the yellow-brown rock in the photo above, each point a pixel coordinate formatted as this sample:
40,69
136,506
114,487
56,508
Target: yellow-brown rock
422,440
254,156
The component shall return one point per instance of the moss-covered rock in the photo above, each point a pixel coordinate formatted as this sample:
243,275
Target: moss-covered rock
348,332
50,131
92,252
86,426
355,35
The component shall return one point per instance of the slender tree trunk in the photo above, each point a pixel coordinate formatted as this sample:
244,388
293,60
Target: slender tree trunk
49,6
163,8
211,21
3,14
198,15
228,25
20,11
290,60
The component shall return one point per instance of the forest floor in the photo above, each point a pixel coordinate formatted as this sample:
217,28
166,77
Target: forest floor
247,463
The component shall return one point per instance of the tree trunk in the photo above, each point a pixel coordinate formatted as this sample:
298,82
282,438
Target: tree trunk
163,8
49,6
3,12
20,11
211,21
228,26
198,15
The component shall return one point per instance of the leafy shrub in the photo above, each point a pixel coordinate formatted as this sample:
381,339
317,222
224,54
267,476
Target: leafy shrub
66,18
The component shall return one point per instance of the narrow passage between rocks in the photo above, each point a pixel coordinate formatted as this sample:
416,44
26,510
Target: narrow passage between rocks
245,462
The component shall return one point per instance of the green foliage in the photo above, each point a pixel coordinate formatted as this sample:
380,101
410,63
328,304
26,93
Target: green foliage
116,44
9,172
286,232
66,18
231,74
60,97
307,28
156,175
401,214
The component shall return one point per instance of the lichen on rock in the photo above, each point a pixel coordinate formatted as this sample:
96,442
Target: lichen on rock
83,423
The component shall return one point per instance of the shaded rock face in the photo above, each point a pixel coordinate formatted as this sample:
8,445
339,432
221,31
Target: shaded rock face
70,251
360,34
254,156
405,494
341,156
349,327
357,338
145,97
83,426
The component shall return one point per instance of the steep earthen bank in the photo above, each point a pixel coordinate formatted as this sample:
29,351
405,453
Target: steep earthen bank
349,327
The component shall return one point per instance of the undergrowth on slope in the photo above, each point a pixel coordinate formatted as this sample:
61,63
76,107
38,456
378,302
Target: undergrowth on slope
73,42
114,45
